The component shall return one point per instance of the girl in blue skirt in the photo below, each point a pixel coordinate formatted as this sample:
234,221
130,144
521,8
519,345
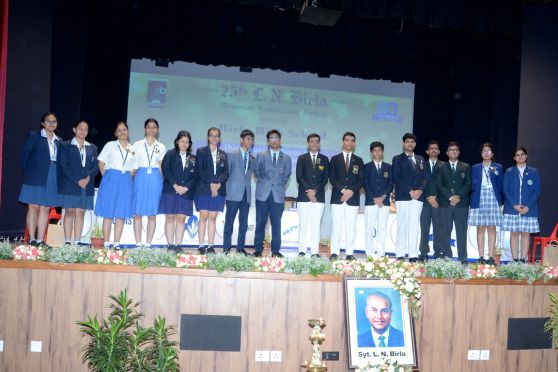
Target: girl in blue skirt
40,189
486,200
212,172
178,186
522,188
77,168
148,182
114,198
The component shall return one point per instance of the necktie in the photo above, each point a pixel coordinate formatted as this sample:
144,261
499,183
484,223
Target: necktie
347,162
412,159
378,166
382,343
245,161
274,159
453,168
432,165
313,160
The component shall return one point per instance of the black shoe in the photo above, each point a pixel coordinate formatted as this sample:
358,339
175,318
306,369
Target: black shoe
400,258
333,257
524,260
301,254
315,255
210,250
490,261
350,257
277,254
242,251
516,260
33,243
422,258
413,259
202,250
227,251
482,261
464,262
44,245
257,254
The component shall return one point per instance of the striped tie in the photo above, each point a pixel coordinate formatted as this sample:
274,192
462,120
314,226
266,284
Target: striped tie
245,162
347,163
274,159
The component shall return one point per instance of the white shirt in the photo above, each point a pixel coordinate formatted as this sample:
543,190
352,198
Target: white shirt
411,158
82,153
214,157
52,148
183,158
149,156
486,184
378,165
243,154
345,156
376,336
432,165
521,170
116,157
271,152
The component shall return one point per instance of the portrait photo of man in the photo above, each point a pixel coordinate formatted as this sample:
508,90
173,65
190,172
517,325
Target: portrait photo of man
380,315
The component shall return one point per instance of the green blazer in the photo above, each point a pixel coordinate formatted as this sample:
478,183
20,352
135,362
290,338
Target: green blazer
449,183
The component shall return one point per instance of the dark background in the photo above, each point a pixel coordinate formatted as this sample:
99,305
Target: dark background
468,60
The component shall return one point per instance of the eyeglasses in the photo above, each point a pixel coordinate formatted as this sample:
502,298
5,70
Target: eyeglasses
314,142
51,121
214,136
453,150
487,151
274,138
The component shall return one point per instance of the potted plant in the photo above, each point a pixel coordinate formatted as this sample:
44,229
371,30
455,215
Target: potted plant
551,325
498,255
97,239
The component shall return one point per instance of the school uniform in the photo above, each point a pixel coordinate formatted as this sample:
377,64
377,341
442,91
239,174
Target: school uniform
178,169
378,183
211,167
409,174
114,198
521,187
430,215
486,195
148,181
311,173
74,164
346,171
454,179
38,162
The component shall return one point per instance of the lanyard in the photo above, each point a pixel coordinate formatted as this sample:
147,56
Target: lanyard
82,155
122,155
147,153
487,173
52,144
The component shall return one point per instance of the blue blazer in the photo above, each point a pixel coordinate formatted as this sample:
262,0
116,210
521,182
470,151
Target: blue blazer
530,191
70,170
204,171
396,338
174,173
408,177
496,175
377,184
35,159
272,179
239,182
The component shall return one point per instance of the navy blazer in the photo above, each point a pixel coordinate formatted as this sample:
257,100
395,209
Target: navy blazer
395,339
70,171
313,177
204,171
530,191
341,179
35,159
377,184
449,184
175,174
496,175
431,175
408,176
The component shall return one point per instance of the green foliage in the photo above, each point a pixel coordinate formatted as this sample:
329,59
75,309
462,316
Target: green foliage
308,265
551,324
230,262
520,271
145,257
447,269
120,343
6,251
72,254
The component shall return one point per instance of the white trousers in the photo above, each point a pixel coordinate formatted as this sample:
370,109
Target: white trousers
375,220
408,226
309,221
343,219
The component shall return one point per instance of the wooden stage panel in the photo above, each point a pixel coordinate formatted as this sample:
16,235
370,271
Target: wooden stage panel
42,302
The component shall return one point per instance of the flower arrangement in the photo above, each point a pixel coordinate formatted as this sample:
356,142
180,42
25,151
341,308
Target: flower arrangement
230,262
521,271
144,257
386,365
6,251
446,268
29,253
481,271
191,261
111,256
270,264
72,254
346,268
308,265
550,272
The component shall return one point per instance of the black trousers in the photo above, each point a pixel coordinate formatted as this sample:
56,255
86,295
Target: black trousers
427,216
457,216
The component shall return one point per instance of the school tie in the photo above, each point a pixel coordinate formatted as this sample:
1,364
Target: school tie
382,343
453,168
378,167
412,159
245,162
314,160
274,162
347,163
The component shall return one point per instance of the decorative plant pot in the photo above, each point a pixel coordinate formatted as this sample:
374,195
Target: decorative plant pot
97,242
497,260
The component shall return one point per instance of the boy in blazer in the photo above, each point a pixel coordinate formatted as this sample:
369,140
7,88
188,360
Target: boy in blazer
272,170
239,186
378,183
453,183
409,177
312,177
346,175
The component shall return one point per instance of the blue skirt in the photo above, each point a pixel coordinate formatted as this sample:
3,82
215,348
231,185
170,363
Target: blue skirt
209,203
47,195
78,201
114,199
175,204
147,192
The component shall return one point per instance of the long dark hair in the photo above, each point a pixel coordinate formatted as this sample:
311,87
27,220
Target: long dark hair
183,133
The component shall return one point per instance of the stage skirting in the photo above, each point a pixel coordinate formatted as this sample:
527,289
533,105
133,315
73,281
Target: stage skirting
42,302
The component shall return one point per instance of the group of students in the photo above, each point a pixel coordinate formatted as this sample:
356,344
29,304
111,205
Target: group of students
144,179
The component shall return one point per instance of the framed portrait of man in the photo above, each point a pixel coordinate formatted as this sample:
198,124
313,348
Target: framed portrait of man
379,323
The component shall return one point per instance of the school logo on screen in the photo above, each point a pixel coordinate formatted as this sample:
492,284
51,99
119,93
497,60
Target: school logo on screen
192,226
157,92
386,111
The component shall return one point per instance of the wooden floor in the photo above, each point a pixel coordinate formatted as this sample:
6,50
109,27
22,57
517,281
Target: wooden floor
41,301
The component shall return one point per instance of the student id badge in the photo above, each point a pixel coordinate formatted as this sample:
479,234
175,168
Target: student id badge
149,170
